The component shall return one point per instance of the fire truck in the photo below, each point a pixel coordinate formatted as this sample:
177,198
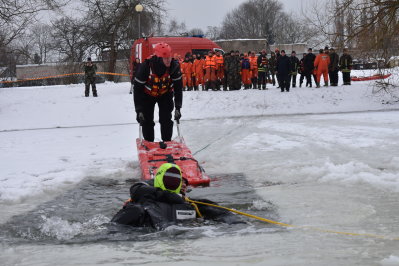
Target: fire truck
143,48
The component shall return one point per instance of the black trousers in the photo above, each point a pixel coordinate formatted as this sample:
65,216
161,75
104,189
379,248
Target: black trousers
309,79
333,77
346,76
90,81
262,79
284,81
293,80
301,78
165,106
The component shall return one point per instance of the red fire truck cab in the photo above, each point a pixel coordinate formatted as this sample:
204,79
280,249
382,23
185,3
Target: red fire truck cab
143,48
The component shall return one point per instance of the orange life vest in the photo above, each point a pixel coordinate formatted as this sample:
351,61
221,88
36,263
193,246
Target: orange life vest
157,86
210,62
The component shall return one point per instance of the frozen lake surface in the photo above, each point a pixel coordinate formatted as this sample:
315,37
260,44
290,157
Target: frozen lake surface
60,187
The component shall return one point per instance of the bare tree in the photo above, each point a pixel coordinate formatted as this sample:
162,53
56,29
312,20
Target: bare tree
196,31
112,23
15,16
176,28
264,19
70,40
213,32
42,40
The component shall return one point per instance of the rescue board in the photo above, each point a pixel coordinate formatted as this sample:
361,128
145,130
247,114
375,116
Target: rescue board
374,77
154,154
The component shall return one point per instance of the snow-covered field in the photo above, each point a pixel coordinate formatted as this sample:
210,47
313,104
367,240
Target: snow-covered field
52,138
37,157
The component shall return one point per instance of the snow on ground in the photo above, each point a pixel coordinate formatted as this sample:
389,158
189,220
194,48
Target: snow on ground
37,158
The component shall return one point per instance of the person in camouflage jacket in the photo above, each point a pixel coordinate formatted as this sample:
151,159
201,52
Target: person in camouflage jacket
233,69
272,67
90,77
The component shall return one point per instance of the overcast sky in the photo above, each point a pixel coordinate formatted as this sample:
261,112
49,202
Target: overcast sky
203,13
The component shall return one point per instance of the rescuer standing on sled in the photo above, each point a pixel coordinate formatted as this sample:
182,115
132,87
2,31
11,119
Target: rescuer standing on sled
158,81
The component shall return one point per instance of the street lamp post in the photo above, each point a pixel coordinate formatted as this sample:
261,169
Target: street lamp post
139,8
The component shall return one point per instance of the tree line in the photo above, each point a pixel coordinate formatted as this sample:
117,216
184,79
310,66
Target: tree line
110,26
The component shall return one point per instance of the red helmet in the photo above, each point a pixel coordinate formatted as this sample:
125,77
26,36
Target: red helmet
163,49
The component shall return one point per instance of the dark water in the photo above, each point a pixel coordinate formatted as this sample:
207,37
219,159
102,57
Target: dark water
82,214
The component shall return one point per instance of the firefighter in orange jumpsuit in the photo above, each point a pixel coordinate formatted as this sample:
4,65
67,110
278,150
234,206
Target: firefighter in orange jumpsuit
321,67
253,59
198,72
219,69
210,71
187,70
246,71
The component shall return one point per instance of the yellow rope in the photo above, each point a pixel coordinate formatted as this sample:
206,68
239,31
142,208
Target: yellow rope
289,225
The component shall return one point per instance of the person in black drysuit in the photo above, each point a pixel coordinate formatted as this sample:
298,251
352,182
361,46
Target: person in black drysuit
283,69
157,204
308,65
158,81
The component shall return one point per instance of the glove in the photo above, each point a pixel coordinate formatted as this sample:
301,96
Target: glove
177,114
140,117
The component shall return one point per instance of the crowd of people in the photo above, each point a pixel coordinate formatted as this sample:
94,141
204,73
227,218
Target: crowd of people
234,70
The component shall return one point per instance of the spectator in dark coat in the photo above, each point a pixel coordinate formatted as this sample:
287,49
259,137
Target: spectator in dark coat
333,67
272,67
283,69
345,65
308,65
301,70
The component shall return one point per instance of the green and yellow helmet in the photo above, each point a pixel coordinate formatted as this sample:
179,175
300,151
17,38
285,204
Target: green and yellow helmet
168,178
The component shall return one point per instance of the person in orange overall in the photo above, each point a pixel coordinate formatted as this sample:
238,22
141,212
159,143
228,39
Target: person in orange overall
246,71
219,69
210,71
321,67
187,70
253,59
198,72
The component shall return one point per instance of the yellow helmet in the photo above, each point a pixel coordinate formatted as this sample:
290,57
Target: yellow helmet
168,178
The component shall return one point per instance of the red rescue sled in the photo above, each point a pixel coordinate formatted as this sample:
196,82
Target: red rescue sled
154,154
374,77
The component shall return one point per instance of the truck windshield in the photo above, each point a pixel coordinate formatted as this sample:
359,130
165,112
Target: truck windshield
202,52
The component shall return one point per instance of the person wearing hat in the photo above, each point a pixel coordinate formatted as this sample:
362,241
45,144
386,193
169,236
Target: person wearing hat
272,67
90,77
210,68
246,72
158,81
198,72
187,71
233,69
333,67
321,66
308,66
263,63
157,203
345,65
